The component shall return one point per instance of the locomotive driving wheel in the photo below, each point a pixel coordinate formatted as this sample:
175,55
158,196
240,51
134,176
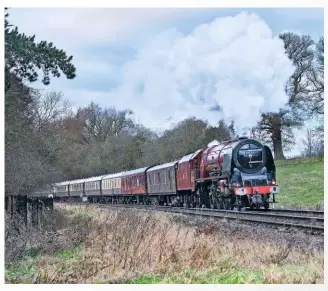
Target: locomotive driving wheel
239,203
223,203
266,204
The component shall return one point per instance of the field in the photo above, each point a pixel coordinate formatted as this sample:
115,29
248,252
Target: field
84,244
301,182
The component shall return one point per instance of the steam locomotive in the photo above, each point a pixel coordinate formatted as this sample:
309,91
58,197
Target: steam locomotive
233,174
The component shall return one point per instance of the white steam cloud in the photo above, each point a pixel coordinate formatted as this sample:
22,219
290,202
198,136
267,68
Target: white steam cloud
234,64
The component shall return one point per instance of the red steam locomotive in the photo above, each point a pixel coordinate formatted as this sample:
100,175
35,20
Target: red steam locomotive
236,173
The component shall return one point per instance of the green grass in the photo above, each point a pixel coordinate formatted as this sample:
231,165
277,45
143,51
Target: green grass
301,182
216,276
69,253
24,270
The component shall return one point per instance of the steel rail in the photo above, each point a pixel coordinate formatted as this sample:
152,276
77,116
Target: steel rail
305,211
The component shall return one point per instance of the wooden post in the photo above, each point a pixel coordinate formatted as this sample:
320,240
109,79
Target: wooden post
51,204
35,211
6,203
40,212
29,213
11,206
21,207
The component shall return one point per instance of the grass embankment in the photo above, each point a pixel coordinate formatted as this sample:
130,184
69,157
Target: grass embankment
90,245
301,182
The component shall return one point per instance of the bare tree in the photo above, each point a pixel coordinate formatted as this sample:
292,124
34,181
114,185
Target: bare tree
313,142
309,142
100,123
316,77
49,108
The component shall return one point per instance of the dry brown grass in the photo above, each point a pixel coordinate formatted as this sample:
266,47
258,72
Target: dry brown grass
115,245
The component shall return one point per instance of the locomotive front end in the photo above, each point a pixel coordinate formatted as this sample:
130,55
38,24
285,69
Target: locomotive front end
253,180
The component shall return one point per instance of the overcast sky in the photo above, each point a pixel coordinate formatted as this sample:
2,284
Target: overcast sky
169,64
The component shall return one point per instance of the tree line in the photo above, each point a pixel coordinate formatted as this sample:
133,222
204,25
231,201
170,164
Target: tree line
46,141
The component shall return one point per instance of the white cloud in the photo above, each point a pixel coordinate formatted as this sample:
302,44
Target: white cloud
234,62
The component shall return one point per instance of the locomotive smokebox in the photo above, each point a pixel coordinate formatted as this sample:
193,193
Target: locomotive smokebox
249,156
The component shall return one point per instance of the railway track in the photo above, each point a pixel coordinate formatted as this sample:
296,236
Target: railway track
281,218
295,212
